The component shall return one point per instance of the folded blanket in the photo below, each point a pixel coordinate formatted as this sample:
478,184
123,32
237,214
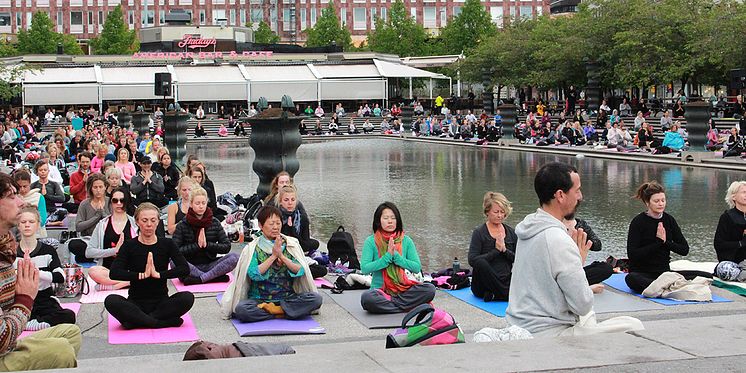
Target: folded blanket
672,285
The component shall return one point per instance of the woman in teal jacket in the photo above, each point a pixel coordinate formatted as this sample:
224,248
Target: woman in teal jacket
391,258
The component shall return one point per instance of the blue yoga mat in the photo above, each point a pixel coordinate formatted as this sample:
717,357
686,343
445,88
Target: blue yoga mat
496,308
617,282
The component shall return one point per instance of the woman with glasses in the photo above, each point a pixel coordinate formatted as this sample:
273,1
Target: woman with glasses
108,236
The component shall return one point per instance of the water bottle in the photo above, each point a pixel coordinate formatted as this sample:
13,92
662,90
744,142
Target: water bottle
456,265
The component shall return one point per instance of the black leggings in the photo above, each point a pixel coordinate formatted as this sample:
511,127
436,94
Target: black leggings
638,281
150,314
77,247
47,309
486,279
597,272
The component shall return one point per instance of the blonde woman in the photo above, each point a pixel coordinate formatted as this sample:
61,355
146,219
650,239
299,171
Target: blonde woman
492,250
201,239
730,237
177,211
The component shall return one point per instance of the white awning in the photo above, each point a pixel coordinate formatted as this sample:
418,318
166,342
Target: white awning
61,75
347,71
396,70
210,83
259,73
60,94
338,89
130,83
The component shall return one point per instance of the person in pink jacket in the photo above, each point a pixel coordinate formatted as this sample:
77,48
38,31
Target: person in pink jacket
123,164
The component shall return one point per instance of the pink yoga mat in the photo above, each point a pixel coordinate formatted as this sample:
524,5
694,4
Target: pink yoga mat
185,333
322,282
211,287
75,307
94,296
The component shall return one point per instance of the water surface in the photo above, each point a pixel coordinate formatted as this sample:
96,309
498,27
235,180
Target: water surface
439,190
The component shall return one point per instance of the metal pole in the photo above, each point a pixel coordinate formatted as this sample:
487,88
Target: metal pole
458,83
431,88
410,89
450,86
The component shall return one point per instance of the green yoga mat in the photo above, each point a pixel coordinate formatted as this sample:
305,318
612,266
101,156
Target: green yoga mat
732,288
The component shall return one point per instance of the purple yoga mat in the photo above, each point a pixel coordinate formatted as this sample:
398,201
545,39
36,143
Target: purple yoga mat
322,282
185,333
305,325
210,287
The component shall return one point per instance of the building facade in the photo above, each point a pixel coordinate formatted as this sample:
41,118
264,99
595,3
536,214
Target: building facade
85,18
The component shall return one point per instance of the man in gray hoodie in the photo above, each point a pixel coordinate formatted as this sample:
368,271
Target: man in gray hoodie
549,293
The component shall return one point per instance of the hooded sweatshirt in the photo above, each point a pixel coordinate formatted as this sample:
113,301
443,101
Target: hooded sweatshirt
548,289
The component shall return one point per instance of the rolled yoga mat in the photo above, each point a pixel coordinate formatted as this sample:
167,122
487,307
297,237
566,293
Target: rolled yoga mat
350,301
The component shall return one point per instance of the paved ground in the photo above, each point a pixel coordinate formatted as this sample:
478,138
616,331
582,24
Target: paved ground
689,337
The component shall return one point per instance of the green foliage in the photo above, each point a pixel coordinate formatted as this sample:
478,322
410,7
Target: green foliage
399,34
328,29
637,43
7,50
468,29
116,37
265,35
9,75
42,39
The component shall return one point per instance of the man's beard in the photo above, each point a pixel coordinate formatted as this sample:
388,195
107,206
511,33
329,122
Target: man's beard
571,215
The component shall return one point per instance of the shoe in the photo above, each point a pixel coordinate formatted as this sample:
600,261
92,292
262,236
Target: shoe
190,280
34,325
100,287
223,278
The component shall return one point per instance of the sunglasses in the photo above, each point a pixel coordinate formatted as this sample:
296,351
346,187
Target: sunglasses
117,200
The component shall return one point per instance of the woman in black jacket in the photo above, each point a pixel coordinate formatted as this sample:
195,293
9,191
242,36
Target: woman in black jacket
730,240
492,250
201,238
170,173
295,223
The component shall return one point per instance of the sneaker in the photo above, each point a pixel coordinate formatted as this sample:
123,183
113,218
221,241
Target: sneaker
100,287
34,325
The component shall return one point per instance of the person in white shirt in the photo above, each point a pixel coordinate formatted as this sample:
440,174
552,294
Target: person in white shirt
319,111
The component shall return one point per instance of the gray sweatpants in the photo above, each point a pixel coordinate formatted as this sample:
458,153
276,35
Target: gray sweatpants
376,301
295,306
214,269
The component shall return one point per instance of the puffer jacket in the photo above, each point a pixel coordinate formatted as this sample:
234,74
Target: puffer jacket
186,240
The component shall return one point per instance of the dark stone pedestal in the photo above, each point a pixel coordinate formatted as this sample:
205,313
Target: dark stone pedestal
275,140
140,120
124,118
697,116
509,114
175,134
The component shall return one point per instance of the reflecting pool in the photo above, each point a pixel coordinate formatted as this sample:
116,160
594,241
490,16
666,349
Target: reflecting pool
439,190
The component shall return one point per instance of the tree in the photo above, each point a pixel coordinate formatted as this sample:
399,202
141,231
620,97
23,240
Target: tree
467,30
9,86
41,38
7,50
328,29
265,35
116,37
399,34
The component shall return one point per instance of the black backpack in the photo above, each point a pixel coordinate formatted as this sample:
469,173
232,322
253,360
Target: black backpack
341,247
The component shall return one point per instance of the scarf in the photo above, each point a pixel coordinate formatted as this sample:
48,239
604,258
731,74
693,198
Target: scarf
395,281
265,245
198,223
296,218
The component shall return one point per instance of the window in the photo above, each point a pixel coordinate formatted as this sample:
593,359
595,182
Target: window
131,17
256,15
512,12
76,18
372,18
313,16
232,18
242,17
286,21
202,16
456,11
161,17
496,13
359,19
273,19
218,15
90,18
101,17
4,19
413,13
443,17
526,12
60,19
343,16
29,17
19,20
539,10
383,13
303,18
429,17
147,17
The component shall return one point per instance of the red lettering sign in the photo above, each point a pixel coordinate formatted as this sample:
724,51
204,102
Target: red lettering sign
191,42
